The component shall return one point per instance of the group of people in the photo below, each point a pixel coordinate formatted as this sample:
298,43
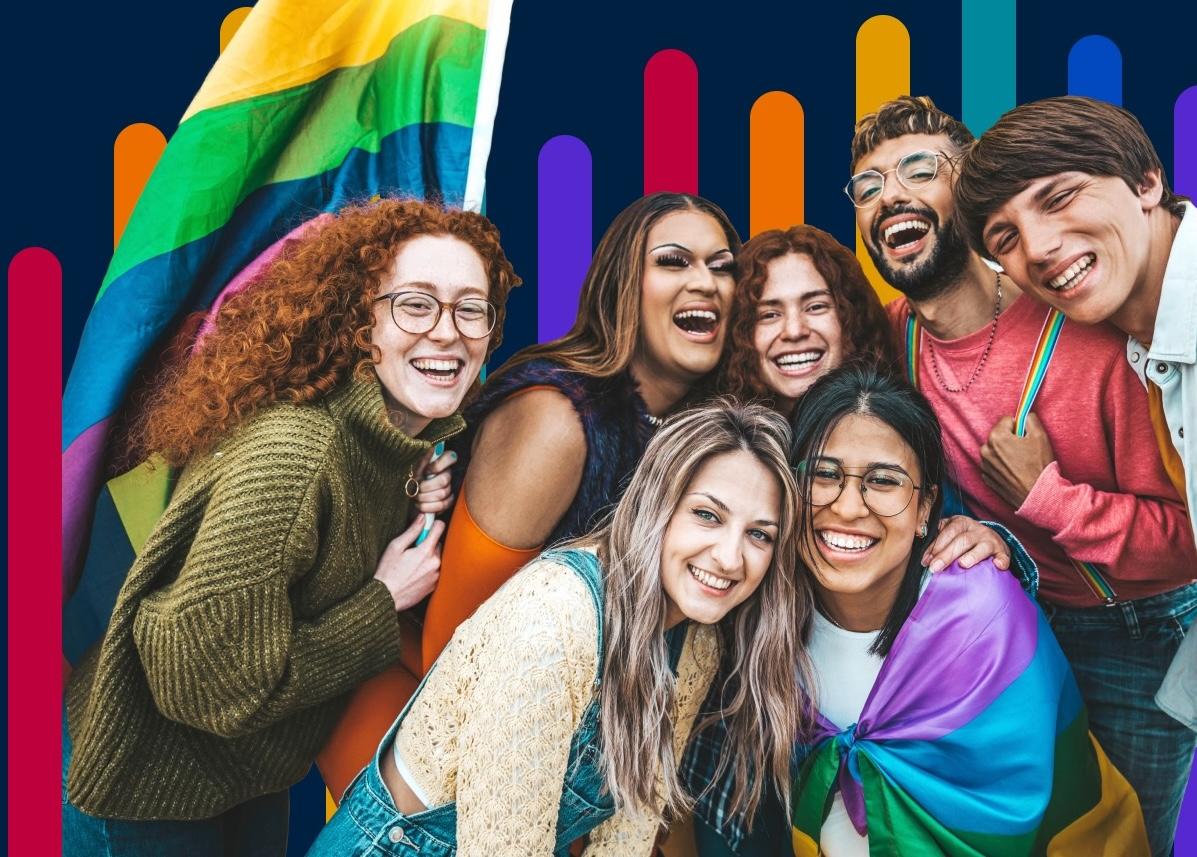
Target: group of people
797,572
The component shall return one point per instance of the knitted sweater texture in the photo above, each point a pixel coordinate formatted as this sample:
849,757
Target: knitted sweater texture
250,614
491,729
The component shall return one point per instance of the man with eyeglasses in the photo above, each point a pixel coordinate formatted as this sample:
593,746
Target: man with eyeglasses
1043,426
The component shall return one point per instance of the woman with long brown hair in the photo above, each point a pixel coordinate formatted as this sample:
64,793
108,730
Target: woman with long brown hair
270,586
561,707
559,429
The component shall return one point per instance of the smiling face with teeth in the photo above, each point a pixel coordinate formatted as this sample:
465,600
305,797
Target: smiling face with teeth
859,558
686,289
719,541
1078,242
425,376
798,334
910,233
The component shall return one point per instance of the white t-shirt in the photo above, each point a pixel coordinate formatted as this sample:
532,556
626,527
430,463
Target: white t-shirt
844,675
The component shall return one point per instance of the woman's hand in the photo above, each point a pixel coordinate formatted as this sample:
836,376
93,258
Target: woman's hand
410,573
967,542
434,477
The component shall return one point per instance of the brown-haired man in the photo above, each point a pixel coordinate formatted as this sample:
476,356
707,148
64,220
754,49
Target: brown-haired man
1090,501
1070,196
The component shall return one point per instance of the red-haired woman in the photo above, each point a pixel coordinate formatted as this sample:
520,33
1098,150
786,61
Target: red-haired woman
270,586
802,307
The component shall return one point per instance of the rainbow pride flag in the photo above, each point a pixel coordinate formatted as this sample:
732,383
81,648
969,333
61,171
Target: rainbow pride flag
973,741
313,104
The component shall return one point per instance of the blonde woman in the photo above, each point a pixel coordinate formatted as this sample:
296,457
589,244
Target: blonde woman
561,708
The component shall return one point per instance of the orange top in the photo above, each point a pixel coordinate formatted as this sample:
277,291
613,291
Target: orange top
473,567
1173,466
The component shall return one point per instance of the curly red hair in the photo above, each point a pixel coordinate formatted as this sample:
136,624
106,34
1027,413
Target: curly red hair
866,330
303,325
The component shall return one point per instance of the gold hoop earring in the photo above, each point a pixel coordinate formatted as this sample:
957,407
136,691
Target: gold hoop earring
412,487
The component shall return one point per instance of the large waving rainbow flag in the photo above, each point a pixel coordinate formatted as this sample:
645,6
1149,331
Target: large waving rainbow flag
313,104
973,741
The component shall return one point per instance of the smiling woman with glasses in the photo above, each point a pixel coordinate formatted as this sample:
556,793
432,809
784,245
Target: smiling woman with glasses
948,720
302,422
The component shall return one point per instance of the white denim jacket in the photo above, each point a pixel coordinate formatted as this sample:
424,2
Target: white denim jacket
1171,364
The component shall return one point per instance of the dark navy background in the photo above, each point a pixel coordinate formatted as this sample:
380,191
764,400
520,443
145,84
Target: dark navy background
77,79
76,76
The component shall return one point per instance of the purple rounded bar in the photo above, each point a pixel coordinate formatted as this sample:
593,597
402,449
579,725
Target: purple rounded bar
563,232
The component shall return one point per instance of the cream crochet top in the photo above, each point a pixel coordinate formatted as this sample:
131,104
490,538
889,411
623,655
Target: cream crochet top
492,727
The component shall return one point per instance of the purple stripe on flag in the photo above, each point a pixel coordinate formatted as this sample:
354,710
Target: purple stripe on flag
563,233
986,627
81,470
1185,146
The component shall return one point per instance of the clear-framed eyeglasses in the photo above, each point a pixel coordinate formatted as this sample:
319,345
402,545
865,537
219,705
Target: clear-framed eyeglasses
917,168
886,491
417,312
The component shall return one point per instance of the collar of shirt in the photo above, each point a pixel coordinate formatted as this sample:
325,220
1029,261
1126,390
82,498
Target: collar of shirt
1175,336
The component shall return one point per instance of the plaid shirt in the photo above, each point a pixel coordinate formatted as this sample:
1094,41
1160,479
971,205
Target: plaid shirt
713,797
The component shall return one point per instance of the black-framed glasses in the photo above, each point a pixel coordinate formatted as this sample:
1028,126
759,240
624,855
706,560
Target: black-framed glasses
417,312
917,168
886,491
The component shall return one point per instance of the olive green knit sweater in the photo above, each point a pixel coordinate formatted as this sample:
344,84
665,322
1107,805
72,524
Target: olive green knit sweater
250,614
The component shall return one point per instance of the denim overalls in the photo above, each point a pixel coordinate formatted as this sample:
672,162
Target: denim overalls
368,823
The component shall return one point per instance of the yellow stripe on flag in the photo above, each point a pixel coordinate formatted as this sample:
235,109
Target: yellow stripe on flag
804,846
1113,828
308,40
140,496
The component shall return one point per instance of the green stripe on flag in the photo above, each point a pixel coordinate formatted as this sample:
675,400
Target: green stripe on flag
220,156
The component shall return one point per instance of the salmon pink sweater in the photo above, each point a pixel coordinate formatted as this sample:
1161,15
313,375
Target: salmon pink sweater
1106,499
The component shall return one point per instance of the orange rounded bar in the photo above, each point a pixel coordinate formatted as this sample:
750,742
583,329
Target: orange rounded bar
134,155
776,163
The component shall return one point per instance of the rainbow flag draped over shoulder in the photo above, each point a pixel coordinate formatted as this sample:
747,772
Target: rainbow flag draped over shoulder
313,104
973,741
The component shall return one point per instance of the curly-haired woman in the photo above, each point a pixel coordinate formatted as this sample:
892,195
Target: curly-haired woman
270,586
802,306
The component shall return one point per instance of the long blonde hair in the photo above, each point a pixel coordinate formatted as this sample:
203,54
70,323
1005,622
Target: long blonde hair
759,639
607,328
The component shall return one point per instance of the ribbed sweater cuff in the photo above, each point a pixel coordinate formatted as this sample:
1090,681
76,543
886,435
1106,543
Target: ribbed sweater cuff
1048,506
354,640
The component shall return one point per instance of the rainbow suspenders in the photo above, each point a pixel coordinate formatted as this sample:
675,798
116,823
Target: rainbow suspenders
1036,372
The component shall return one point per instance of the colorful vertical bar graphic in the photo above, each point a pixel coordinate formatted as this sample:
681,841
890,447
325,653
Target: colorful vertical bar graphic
563,232
987,70
35,672
1095,69
882,74
134,155
776,165
1184,119
671,123
231,24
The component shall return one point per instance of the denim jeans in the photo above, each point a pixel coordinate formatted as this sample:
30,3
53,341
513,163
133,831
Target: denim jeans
256,828
1119,655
